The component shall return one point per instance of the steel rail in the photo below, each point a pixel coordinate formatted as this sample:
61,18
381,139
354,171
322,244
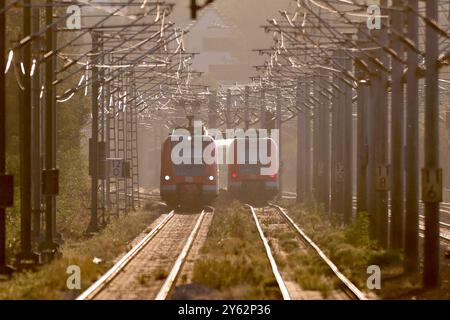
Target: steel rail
443,225
273,264
101,283
444,209
177,267
350,289
422,218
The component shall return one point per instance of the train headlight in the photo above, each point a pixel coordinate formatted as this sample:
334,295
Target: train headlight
211,178
167,178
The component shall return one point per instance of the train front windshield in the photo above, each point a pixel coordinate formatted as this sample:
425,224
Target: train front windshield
192,170
250,168
249,155
193,166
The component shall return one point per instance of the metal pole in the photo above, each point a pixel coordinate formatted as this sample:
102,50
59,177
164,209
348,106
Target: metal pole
36,127
371,102
117,141
362,154
102,130
397,132
317,163
336,140
300,144
247,107
128,145
4,268
48,248
307,155
262,122
135,145
93,224
447,159
212,114
109,117
381,146
280,144
193,8
411,260
325,143
432,174
227,111
361,159
156,129
347,156
56,235
127,140
26,258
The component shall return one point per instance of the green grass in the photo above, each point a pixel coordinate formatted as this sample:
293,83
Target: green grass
289,246
348,246
351,249
232,259
300,264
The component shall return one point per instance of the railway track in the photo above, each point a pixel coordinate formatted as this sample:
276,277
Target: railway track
444,233
444,223
444,226
288,288
151,268
152,196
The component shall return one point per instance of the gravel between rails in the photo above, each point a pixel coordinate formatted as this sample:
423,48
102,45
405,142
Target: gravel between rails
142,278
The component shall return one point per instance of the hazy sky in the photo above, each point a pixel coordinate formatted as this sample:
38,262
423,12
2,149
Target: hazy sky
247,16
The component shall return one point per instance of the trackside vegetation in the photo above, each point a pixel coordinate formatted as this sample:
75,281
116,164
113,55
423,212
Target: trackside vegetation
232,260
351,249
94,256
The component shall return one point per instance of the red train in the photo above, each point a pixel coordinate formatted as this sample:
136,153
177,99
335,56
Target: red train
193,183
250,176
